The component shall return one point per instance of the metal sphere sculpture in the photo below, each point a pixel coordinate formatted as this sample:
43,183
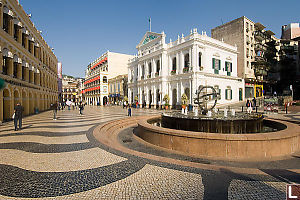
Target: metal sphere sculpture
206,94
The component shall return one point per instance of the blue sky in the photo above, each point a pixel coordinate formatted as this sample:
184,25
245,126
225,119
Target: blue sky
81,31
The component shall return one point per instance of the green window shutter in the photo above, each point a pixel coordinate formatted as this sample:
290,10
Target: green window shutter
230,67
226,94
230,94
213,63
219,64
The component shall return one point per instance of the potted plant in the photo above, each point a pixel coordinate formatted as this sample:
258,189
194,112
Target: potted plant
166,99
173,72
156,74
184,100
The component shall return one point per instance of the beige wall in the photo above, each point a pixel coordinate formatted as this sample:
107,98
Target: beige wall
117,64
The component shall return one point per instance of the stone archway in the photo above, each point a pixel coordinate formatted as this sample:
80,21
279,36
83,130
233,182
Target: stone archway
31,103
6,105
25,103
16,97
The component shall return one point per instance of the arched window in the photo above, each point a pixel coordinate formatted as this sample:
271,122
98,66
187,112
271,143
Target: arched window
174,64
104,79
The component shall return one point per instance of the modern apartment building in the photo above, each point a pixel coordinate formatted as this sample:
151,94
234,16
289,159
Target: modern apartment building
180,67
28,65
107,66
252,41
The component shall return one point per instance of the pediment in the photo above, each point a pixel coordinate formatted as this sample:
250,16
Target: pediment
149,37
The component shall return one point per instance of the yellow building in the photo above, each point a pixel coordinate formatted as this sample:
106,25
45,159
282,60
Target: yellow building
118,88
28,65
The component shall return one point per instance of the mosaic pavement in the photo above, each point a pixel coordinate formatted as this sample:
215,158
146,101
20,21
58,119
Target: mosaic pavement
62,160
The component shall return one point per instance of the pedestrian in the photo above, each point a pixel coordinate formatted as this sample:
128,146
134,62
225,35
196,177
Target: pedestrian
129,111
249,106
254,102
18,112
53,106
80,106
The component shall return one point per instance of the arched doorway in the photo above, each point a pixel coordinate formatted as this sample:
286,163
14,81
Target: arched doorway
31,103
174,98
157,98
16,97
187,92
104,100
25,103
150,98
6,105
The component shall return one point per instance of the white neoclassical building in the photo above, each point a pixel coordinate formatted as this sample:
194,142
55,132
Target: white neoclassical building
181,66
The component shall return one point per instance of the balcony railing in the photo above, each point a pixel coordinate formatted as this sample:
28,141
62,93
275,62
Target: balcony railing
173,72
186,69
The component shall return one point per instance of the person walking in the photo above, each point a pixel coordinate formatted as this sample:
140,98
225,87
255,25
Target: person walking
80,106
54,108
18,116
129,111
249,106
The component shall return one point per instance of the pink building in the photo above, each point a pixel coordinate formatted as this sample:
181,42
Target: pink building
290,31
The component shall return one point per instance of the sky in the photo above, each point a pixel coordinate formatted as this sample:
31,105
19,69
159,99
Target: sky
81,31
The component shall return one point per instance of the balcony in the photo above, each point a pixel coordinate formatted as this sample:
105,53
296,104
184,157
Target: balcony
186,69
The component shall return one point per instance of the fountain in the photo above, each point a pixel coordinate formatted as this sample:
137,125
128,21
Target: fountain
208,132
212,122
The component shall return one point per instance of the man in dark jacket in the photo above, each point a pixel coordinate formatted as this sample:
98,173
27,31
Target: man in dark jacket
18,116
53,106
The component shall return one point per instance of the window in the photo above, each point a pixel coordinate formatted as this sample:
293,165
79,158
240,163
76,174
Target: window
15,69
104,79
174,64
143,72
200,57
218,90
23,39
157,66
186,60
118,87
228,93
23,73
16,32
150,68
5,65
216,65
6,22
228,68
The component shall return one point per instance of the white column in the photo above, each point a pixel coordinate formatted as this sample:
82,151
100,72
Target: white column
194,59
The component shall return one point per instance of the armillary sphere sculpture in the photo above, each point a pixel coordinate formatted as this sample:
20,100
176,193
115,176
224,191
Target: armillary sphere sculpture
206,94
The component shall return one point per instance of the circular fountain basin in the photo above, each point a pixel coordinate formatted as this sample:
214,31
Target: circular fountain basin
217,123
254,146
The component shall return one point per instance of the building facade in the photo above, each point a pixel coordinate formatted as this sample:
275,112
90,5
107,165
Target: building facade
28,65
180,67
290,31
253,43
107,66
72,89
118,88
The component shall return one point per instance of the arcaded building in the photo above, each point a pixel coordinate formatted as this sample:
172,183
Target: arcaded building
28,65
107,66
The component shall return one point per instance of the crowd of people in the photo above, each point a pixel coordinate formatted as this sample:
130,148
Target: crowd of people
250,105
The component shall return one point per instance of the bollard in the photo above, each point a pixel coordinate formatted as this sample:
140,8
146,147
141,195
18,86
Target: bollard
286,109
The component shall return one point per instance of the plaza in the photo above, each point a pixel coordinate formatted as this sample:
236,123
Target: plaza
92,157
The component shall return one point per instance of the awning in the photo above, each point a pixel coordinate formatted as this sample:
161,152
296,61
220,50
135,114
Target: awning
7,53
